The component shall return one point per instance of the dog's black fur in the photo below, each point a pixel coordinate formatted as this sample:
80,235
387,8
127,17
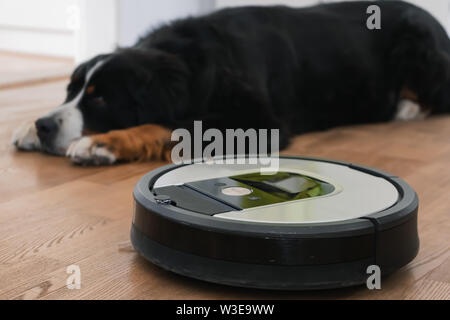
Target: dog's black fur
272,67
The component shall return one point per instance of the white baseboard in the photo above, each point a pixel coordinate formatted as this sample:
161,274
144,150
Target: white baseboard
60,44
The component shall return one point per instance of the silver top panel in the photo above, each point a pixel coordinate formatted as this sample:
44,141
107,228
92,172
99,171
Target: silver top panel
357,194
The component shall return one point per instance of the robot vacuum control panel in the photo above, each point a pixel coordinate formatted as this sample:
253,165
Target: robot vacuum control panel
301,191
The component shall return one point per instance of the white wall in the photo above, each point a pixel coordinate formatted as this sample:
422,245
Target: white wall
440,9
36,26
97,29
106,24
84,28
137,17
293,3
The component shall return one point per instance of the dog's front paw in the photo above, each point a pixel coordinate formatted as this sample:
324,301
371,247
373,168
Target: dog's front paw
25,137
86,151
408,110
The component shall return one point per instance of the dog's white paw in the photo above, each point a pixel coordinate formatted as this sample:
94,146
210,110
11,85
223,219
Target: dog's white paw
408,110
25,137
87,152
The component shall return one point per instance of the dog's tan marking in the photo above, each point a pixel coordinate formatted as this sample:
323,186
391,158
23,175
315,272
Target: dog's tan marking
407,94
88,133
146,142
410,107
90,89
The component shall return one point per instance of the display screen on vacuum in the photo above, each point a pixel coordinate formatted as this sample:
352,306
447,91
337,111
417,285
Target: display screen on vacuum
285,186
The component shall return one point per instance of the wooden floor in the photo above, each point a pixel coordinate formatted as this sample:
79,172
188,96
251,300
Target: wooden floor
25,69
53,214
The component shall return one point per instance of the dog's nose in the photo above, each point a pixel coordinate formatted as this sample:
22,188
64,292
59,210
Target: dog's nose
46,127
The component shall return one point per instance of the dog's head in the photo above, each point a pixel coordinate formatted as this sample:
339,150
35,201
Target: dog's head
116,91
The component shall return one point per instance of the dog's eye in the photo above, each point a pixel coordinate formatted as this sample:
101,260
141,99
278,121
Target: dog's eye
98,101
90,89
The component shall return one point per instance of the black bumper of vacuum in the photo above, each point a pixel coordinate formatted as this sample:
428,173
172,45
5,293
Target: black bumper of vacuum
270,256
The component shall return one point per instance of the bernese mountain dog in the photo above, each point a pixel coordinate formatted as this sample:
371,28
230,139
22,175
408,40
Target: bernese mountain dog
298,70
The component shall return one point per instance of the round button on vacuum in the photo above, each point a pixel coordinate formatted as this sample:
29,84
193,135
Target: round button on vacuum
237,191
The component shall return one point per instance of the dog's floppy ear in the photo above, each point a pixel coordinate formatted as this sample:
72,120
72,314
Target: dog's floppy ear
160,86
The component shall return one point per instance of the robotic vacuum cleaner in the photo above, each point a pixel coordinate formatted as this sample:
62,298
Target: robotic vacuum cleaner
315,224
